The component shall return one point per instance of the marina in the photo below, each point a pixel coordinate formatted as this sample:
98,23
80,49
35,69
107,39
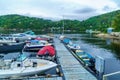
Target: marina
68,67
59,40
74,61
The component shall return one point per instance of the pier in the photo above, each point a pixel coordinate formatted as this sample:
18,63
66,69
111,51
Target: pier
72,69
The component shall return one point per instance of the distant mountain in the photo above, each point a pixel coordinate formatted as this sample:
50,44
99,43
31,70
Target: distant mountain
20,22
101,22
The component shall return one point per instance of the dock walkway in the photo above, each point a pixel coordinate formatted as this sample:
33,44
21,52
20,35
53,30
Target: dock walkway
71,67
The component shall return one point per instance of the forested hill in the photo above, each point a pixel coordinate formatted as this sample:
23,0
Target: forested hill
19,22
22,22
102,22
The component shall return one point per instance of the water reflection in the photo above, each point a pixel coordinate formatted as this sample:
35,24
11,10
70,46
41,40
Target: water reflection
108,41
116,49
114,46
111,45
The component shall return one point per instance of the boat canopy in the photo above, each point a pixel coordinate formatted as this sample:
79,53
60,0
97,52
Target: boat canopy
30,32
47,49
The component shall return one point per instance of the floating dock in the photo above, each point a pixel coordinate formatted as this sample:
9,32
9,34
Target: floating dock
71,67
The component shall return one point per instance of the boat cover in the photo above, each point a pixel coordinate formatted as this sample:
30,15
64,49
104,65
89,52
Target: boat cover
39,38
47,49
34,41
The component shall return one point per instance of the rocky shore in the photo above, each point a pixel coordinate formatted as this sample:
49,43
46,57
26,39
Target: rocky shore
113,35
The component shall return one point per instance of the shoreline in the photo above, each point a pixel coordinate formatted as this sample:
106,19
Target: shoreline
103,35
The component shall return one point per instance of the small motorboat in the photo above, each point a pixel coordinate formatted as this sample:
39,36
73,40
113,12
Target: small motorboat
35,45
24,66
11,47
24,36
73,47
85,58
7,39
66,40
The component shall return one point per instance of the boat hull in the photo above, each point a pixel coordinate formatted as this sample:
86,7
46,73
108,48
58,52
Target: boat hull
27,71
11,48
32,48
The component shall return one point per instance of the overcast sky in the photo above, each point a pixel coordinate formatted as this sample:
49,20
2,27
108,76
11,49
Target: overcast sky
59,9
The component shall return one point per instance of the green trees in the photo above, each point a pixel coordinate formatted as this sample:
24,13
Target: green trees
116,23
102,22
99,23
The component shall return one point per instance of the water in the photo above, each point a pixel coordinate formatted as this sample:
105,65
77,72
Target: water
108,49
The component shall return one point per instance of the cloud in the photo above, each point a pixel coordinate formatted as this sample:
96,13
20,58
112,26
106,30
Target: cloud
85,10
106,8
71,9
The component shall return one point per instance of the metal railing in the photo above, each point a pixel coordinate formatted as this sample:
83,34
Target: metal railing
112,76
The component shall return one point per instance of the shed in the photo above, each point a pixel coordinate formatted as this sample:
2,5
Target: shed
109,30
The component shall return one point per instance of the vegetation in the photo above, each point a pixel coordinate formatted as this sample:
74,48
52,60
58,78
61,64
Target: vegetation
116,23
104,21
17,23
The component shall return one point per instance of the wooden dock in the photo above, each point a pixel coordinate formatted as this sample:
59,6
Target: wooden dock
71,67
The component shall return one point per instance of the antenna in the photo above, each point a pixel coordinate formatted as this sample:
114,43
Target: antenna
63,25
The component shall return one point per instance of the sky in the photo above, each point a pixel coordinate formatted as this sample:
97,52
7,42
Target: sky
59,9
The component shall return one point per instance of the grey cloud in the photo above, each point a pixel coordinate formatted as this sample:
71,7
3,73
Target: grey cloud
85,10
106,8
76,17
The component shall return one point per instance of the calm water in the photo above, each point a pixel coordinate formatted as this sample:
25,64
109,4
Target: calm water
108,49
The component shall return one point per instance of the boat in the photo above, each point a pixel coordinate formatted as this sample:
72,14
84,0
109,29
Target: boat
66,40
73,46
11,47
35,45
24,66
24,36
85,58
7,39
46,38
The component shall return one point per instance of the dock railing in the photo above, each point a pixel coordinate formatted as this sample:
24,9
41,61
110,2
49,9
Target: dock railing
112,76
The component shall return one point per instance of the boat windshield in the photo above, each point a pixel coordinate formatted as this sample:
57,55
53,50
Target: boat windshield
21,57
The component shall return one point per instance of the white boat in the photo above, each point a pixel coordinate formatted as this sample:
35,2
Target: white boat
22,36
27,67
7,39
35,45
73,46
